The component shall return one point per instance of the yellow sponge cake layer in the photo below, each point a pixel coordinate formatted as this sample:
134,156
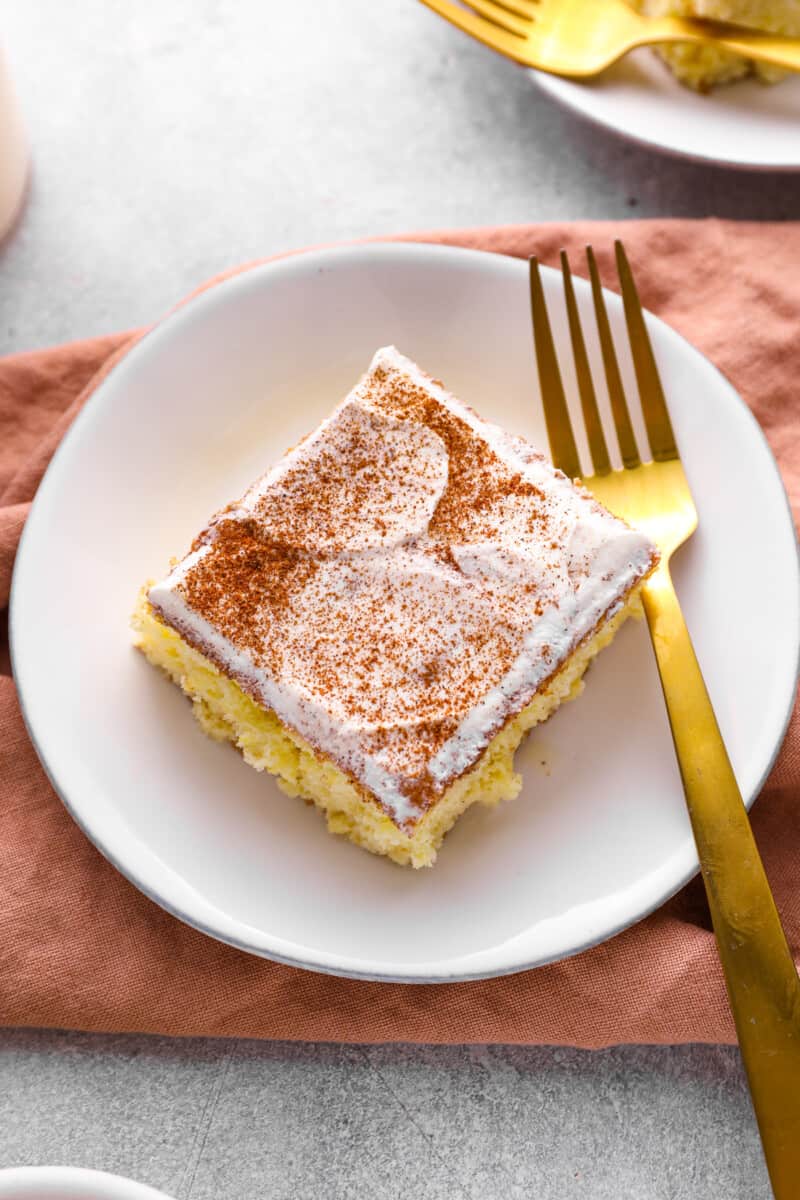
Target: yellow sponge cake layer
226,713
704,67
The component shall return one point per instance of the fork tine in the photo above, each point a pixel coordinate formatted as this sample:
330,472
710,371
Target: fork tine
483,31
500,15
651,393
523,8
619,406
563,450
591,415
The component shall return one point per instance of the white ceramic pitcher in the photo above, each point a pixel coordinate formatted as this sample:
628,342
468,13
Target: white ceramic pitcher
13,152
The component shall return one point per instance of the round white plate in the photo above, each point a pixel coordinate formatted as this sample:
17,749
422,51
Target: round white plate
742,125
201,407
70,1183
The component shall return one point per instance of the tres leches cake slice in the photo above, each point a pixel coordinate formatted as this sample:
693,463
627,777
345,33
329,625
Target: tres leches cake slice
383,616
703,67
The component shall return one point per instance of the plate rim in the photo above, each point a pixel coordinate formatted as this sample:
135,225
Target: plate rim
358,972
54,1178
553,88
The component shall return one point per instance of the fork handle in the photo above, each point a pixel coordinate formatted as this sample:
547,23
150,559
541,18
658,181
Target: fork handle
760,974
761,47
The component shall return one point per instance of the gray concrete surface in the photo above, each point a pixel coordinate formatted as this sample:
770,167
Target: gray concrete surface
213,1120
171,141
174,139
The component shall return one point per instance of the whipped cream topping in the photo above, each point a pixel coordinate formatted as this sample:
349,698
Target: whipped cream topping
401,584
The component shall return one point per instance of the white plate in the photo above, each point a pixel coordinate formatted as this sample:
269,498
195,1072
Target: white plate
194,413
70,1183
742,125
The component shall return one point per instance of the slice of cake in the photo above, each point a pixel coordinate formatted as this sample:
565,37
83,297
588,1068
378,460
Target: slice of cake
703,67
382,617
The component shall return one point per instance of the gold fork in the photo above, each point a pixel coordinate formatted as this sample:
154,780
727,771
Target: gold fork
763,986
582,37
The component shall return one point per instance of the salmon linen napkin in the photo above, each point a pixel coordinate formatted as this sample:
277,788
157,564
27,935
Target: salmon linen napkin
81,948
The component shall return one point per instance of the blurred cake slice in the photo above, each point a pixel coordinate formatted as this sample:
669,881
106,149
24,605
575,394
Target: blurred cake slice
383,616
703,67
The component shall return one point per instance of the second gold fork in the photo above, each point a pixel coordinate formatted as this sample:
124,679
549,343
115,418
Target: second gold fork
580,38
